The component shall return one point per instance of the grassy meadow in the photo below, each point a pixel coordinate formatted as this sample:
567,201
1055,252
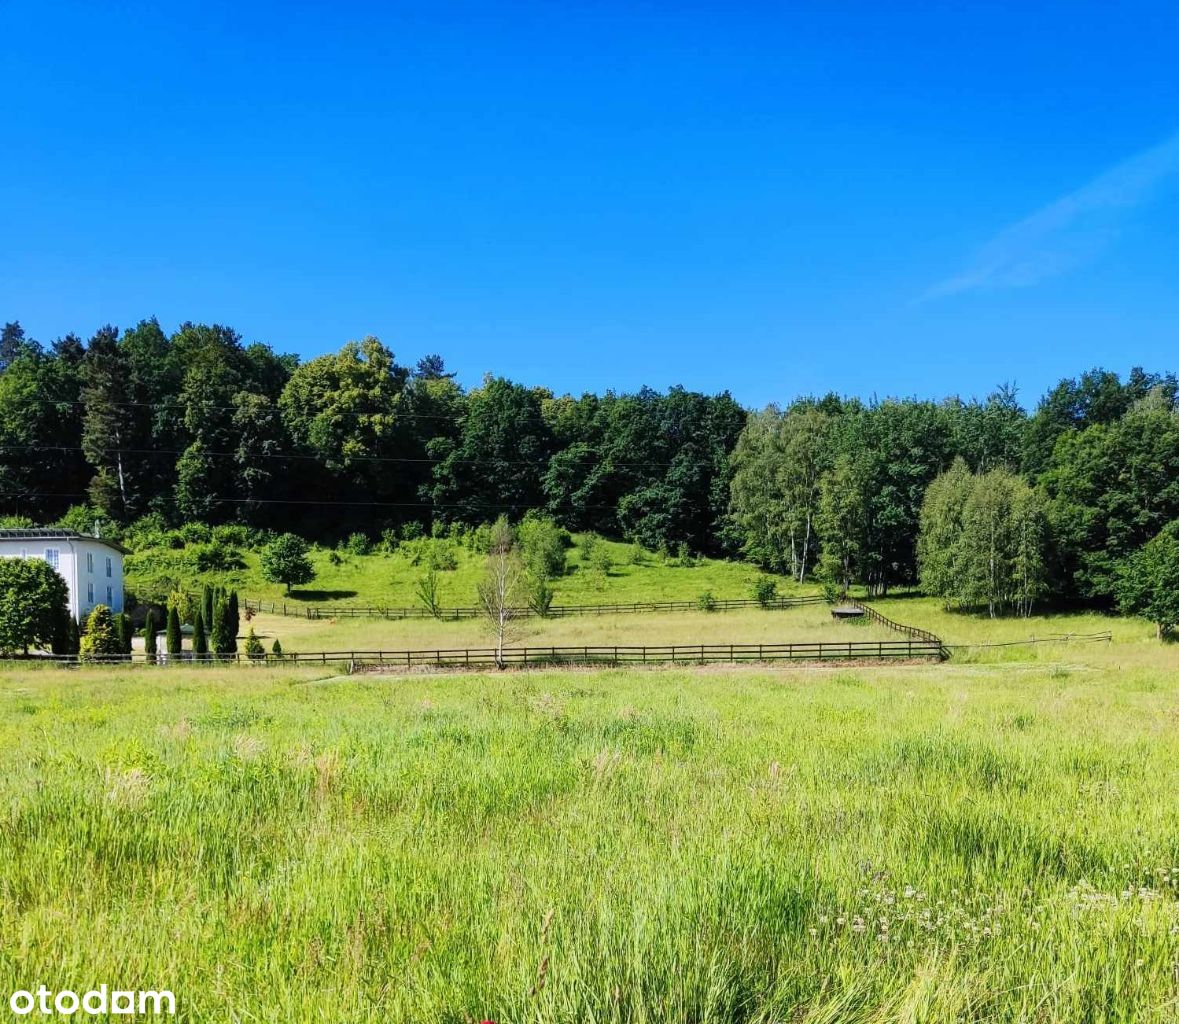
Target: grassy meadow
383,578
982,841
808,623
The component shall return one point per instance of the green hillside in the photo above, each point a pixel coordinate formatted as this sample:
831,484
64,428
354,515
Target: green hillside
388,578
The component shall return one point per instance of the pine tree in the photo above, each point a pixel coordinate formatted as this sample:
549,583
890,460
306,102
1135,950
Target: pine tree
254,646
173,641
150,634
200,644
276,650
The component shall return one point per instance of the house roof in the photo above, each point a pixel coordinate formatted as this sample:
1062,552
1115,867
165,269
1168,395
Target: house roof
47,533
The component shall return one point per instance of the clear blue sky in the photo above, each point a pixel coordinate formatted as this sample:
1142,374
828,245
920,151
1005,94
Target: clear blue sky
770,198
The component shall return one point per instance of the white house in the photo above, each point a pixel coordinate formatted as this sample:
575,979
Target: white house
92,567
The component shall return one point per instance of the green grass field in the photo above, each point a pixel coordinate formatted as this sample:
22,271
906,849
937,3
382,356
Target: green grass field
389,579
984,840
754,625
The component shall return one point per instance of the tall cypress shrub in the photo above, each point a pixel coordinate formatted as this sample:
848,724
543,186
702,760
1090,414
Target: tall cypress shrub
150,635
208,600
235,622
173,641
223,642
200,642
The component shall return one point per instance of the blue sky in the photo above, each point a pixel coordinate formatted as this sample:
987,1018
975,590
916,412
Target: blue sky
773,199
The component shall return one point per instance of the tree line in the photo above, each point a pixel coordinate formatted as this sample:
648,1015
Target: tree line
198,426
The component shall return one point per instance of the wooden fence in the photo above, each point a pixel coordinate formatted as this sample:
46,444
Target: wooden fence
555,612
913,632
609,654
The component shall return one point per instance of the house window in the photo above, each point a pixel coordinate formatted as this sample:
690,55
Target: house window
109,602
108,567
90,561
90,593
52,556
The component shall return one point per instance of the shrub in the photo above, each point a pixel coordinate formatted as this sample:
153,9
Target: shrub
358,544
99,640
215,557
601,560
124,632
637,555
588,545
540,597
195,533
232,535
224,641
706,602
684,556
254,648
389,540
412,530
543,544
479,539
442,556
150,636
426,589
173,638
200,642
276,649
765,591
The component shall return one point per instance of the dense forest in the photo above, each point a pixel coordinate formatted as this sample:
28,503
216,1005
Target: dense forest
197,426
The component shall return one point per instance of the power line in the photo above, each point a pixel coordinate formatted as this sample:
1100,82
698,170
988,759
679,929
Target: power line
358,458
502,506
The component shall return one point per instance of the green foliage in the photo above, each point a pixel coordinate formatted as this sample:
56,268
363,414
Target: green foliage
765,591
684,556
286,560
174,638
1148,581
778,463
207,603
222,638
124,631
540,596
276,648
358,544
34,606
150,634
983,541
543,544
200,640
427,591
706,602
215,557
99,639
254,649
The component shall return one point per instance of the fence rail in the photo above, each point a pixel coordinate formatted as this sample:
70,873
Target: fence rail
555,612
609,654
913,632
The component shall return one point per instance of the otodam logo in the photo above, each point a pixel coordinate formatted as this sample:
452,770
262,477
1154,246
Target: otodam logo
98,1002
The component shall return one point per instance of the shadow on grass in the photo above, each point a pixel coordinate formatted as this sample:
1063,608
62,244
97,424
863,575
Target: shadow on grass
321,595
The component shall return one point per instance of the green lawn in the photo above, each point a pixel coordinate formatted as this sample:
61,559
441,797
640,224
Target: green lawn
983,842
389,579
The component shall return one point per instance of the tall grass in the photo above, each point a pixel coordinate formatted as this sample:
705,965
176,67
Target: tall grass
960,843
